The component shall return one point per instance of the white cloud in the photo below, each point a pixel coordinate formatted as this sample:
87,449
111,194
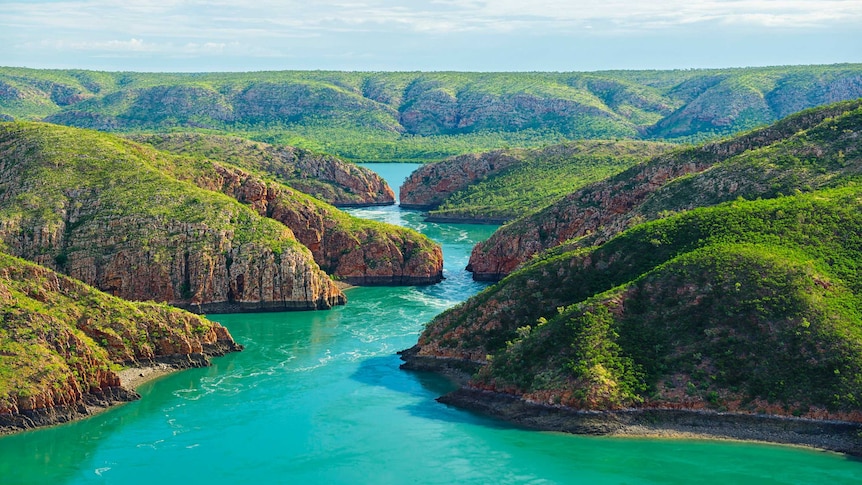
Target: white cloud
217,29
209,18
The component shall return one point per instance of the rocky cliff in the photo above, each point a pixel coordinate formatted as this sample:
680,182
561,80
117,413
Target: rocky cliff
62,343
97,208
325,177
355,251
503,185
432,184
603,209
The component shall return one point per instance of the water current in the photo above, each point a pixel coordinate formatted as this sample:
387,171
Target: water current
317,397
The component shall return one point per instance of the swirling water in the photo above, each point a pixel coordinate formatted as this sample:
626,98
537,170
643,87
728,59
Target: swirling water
317,397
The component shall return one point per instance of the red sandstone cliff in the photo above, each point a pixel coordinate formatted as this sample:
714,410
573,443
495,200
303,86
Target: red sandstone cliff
325,177
98,208
355,251
604,209
62,340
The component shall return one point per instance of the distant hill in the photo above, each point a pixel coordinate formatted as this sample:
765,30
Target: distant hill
427,116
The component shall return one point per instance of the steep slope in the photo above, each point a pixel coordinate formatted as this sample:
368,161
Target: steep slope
325,177
802,152
502,185
94,207
62,343
356,251
748,307
428,116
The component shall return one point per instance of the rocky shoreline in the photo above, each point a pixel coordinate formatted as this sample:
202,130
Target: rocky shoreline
838,436
102,399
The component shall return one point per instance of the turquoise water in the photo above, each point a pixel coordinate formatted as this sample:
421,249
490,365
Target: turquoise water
317,397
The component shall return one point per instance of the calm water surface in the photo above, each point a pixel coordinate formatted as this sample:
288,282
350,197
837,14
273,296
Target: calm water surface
317,397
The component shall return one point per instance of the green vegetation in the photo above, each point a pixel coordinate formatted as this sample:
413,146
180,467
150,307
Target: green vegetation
542,177
61,339
322,176
739,306
103,209
812,149
338,241
65,179
426,116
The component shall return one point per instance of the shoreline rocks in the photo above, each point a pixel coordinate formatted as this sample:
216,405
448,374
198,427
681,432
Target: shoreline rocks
838,436
833,435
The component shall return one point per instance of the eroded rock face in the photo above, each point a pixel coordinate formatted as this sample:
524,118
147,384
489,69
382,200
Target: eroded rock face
186,265
325,177
430,185
175,243
603,209
357,252
74,334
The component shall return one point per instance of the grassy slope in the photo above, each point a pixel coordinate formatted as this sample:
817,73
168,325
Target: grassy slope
323,176
544,176
61,339
426,116
735,307
809,150
72,197
742,305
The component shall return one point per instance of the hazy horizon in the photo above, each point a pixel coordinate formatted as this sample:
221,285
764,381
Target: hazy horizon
430,35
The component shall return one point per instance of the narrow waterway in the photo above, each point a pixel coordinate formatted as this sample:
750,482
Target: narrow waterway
317,397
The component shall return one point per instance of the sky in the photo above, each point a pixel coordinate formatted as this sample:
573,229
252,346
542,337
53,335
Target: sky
427,35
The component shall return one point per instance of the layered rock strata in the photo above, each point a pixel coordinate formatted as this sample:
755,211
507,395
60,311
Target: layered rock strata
62,341
606,208
100,210
354,251
325,177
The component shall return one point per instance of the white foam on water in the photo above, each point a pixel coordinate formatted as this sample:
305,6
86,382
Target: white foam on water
154,445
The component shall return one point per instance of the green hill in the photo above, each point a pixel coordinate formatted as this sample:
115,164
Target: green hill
812,149
63,342
504,185
427,116
752,307
100,209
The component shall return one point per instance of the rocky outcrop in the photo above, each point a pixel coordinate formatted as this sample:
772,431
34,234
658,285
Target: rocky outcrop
354,251
325,177
499,186
430,185
63,339
96,208
604,209
838,436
